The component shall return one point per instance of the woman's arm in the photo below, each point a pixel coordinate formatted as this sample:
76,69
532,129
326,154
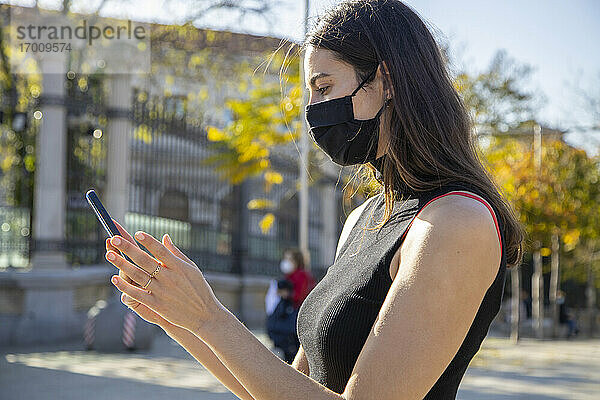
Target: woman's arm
196,347
437,264
265,375
268,377
204,355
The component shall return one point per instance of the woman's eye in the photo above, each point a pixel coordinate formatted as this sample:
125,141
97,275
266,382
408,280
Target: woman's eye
321,90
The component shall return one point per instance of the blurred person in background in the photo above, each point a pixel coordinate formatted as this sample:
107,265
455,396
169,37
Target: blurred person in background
292,267
302,279
526,303
565,317
281,323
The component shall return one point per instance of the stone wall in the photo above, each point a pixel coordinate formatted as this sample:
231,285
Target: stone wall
61,301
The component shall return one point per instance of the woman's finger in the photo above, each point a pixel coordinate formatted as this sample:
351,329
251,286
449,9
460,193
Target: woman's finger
121,273
137,274
109,245
134,292
142,259
129,302
157,249
125,235
145,312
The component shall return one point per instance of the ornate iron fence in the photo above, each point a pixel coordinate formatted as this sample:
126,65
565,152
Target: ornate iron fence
170,191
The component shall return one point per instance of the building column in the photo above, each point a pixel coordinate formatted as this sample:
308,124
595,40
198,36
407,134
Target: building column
119,133
49,209
48,305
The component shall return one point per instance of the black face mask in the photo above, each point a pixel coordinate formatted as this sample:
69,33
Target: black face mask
347,141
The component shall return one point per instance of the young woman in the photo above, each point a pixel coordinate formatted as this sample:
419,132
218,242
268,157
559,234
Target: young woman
420,268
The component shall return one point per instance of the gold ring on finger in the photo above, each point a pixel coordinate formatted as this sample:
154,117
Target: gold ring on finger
147,283
155,272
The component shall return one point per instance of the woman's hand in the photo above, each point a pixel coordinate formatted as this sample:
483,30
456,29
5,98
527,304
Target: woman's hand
141,309
178,292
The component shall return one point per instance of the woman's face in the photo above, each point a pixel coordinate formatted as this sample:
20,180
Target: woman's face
287,264
288,256
328,78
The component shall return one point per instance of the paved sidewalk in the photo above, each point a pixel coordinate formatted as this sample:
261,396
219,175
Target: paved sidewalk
537,370
69,372
533,370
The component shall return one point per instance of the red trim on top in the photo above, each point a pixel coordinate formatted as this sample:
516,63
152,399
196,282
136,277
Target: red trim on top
468,195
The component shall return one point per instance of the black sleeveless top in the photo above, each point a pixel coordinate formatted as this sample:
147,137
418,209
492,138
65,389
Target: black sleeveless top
336,317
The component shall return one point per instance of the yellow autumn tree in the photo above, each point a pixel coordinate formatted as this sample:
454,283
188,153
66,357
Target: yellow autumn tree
562,197
265,116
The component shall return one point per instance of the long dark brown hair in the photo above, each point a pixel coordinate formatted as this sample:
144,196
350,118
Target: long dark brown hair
431,141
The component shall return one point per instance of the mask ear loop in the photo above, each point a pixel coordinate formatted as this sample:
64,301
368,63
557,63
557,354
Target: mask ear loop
381,111
364,81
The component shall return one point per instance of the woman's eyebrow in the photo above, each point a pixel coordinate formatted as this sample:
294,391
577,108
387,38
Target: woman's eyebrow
314,78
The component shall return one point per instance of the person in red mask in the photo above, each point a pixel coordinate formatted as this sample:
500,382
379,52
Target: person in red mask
292,266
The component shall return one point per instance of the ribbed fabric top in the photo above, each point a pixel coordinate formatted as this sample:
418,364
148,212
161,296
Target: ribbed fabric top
336,317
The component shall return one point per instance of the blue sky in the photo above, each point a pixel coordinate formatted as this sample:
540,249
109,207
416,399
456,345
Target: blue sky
559,39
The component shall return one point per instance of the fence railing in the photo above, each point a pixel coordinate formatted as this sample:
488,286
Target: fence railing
166,180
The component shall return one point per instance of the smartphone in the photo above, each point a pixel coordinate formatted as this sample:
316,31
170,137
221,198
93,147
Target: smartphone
104,217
